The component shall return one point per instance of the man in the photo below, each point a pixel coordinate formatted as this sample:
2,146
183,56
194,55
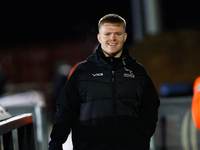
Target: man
109,101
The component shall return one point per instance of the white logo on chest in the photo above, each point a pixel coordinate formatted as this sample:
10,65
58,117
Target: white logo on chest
97,74
130,74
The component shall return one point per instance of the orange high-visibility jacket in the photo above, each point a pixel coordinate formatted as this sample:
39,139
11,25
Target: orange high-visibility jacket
196,103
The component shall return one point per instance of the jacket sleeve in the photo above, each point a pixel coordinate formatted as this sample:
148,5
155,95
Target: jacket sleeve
149,108
68,106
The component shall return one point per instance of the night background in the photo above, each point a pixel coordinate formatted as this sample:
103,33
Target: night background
41,40
44,22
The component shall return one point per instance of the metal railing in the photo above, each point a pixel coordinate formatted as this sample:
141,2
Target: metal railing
23,124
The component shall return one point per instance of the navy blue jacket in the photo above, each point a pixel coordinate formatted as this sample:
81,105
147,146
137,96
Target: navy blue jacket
109,103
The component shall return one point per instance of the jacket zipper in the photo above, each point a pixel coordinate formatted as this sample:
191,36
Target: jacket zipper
113,77
115,103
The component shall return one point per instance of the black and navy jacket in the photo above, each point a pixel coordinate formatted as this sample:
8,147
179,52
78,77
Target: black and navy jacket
109,103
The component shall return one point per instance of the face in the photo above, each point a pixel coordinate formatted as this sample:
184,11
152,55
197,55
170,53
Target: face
112,39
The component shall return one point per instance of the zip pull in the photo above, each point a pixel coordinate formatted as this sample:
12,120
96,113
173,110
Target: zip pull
123,61
111,59
111,62
113,73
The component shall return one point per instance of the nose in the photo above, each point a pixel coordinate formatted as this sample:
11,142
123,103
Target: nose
112,37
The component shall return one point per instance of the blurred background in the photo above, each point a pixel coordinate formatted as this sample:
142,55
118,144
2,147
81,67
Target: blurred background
41,41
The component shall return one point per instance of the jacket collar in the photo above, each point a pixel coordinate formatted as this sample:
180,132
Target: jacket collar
111,62
101,54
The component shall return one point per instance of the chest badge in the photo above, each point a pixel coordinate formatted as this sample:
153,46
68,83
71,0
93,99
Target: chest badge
130,74
97,75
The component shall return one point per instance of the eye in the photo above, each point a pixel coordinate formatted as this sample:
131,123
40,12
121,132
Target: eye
107,34
119,34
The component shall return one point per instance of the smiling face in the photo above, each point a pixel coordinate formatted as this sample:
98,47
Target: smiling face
112,38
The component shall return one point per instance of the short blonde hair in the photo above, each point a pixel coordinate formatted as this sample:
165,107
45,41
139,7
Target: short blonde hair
113,19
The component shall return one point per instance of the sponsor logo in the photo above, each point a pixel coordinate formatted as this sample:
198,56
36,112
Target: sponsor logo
130,74
97,75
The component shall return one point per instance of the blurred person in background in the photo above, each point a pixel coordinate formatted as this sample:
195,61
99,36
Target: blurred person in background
62,72
196,103
71,71
109,101
60,78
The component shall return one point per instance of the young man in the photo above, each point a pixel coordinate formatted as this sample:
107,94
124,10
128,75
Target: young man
109,101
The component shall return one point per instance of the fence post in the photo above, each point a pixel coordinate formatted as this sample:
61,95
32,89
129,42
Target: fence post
26,137
31,137
8,141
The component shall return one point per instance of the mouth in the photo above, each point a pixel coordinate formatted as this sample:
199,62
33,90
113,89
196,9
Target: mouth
110,44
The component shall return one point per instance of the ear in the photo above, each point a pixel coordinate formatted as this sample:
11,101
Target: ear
125,37
99,38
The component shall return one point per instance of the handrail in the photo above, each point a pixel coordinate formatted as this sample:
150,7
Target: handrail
15,122
24,125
